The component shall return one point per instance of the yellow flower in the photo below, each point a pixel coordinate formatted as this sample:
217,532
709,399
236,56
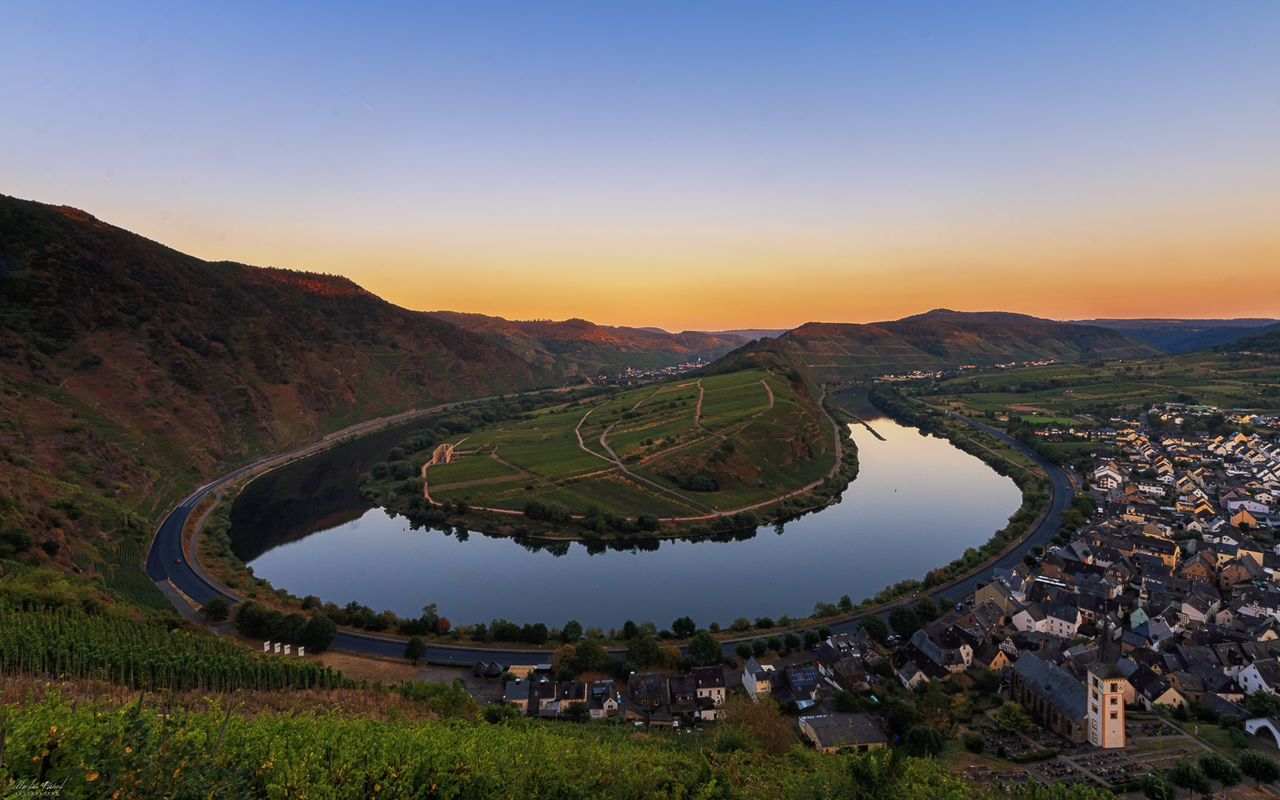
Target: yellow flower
91,776
128,749
53,729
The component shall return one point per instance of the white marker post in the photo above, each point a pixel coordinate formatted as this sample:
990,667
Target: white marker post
300,649
277,647
286,649
266,647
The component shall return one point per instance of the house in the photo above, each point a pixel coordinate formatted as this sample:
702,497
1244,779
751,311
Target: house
838,732
1262,675
683,691
757,679
647,690
710,684
998,593
602,699
517,694
1053,696
1108,476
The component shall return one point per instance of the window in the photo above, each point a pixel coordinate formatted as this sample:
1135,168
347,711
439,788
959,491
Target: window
1113,701
1113,714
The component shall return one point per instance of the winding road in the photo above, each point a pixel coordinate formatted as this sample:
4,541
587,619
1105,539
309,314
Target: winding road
173,569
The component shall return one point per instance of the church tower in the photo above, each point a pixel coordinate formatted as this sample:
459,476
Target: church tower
1106,696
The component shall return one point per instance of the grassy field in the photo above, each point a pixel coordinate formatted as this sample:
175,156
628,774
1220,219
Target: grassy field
750,445
1062,391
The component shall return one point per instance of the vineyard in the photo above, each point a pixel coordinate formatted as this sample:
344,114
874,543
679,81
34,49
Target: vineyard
103,749
144,654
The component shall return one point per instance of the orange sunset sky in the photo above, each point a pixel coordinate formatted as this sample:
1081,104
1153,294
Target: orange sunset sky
722,165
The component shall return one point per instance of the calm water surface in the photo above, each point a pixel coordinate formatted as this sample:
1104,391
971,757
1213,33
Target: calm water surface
917,503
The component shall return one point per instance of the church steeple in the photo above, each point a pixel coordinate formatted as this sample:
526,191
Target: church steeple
1106,685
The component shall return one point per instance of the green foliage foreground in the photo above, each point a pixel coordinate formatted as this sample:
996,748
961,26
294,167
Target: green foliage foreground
101,749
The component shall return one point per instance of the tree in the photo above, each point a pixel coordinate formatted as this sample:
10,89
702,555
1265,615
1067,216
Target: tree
762,720
415,649
577,711
318,633
759,647
571,632
1189,777
904,621
926,610
845,604
704,648
923,740
683,627
1259,767
590,656
629,630
643,651
216,610
743,649
1013,718
986,681
875,627
251,620
1220,769
1157,787
846,702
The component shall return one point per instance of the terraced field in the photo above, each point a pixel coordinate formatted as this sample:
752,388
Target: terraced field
691,448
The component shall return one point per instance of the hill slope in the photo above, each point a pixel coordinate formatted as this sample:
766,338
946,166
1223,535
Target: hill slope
1182,335
578,347
939,339
1261,340
132,371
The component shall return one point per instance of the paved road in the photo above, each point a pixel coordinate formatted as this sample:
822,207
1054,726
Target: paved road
168,564
172,568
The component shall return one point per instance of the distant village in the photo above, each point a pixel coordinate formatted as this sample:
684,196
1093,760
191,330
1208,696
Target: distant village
1168,597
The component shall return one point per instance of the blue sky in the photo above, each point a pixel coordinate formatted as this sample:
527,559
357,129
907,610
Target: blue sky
840,160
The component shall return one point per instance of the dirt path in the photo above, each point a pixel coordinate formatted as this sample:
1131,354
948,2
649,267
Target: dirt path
577,431
768,389
697,412
689,501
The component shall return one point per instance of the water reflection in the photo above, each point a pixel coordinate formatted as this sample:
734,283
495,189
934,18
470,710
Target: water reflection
917,503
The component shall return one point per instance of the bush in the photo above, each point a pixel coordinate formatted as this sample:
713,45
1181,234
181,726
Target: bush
216,610
973,742
923,740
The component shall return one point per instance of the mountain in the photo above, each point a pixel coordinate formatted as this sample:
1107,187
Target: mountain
1182,335
938,339
131,371
755,333
1261,340
576,347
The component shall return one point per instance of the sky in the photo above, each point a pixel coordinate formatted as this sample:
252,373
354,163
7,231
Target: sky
690,165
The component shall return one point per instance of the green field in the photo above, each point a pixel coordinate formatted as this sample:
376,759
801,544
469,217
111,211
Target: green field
1061,391
748,447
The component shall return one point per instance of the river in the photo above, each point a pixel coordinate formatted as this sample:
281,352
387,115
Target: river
917,503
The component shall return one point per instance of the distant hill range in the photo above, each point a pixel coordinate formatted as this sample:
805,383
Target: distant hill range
1259,340
576,347
939,339
1183,335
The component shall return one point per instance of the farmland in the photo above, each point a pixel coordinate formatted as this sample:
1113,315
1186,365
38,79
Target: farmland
1060,393
693,449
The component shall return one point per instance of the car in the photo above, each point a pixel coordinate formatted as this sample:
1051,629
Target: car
177,561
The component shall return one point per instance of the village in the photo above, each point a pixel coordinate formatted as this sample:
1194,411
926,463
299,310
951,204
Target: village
1163,608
